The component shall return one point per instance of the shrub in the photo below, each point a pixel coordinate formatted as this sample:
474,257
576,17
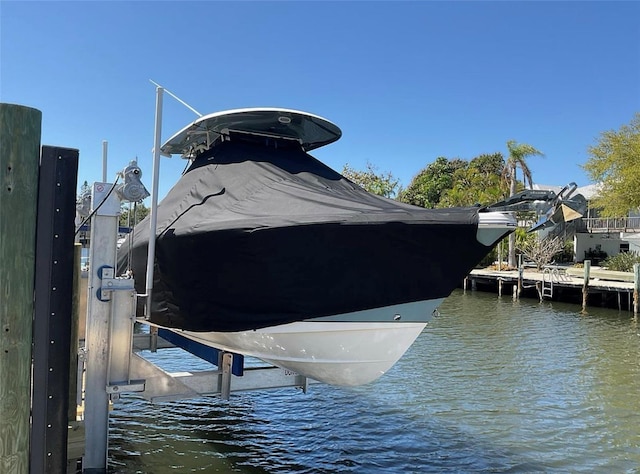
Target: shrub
542,251
622,262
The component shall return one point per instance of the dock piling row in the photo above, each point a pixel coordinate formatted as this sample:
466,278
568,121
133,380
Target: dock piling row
567,283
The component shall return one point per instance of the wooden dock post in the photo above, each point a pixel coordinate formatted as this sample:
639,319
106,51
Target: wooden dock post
520,277
619,302
636,288
585,285
20,129
500,281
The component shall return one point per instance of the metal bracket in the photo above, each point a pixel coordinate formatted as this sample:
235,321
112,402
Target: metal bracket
225,361
115,389
82,359
110,284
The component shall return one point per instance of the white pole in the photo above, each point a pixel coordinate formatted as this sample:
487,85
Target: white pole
153,215
104,161
177,98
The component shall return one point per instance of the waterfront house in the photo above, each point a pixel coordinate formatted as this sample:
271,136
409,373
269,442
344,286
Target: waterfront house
596,237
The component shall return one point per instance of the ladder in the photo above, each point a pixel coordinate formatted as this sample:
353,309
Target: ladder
547,282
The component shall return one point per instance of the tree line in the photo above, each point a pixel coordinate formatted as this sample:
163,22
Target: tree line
446,182
613,162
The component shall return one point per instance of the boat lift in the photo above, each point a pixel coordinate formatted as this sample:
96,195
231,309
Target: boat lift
110,359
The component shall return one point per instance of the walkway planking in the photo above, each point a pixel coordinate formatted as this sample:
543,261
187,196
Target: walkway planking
567,285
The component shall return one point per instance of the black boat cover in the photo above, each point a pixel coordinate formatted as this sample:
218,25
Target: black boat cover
254,236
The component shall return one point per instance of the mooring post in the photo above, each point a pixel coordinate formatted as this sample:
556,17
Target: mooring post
500,287
585,285
520,276
636,288
619,302
20,129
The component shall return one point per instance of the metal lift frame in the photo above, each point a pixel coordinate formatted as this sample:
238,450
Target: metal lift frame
112,367
111,364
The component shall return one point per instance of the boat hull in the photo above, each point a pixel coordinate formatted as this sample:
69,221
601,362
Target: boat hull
348,350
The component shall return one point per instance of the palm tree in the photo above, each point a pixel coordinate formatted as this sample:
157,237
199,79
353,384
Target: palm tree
518,154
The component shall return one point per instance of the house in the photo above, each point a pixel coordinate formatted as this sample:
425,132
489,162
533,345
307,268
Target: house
595,237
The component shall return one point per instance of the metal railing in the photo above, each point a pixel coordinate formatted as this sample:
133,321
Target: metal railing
609,224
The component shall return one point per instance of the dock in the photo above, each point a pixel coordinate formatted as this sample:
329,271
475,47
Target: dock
591,286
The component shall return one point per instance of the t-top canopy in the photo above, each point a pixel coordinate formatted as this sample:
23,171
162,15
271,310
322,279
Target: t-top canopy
311,131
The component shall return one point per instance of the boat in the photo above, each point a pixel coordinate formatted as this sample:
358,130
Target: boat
264,251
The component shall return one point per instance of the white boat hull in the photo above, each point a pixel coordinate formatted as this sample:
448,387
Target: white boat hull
339,350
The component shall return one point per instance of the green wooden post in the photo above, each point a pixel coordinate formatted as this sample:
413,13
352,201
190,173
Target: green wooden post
19,161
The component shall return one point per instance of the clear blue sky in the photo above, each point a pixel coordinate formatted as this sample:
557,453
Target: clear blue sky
406,81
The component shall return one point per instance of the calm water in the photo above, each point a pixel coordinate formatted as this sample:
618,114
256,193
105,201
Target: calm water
490,386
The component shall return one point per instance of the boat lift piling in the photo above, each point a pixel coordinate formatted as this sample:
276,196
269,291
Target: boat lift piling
19,153
53,315
38,208
104,231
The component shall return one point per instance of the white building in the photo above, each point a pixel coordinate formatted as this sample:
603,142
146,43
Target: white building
598,237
